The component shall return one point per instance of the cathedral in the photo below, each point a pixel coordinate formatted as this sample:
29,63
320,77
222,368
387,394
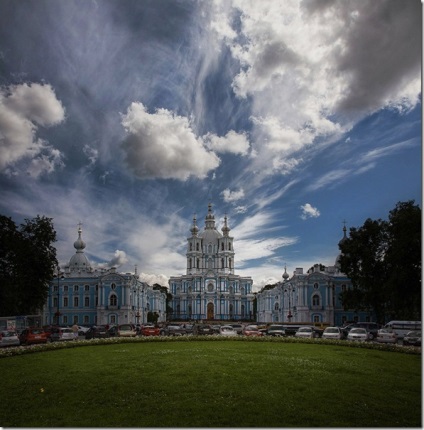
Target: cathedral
312,297
210,289
85,296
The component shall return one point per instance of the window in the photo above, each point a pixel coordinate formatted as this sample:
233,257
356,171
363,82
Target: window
56,288
86,319
65,302
87,302
113,300
222,263
316,286
222,246
113,319
210,249
65,319
55,302
242,311
229,246
65,288
316,319
276,307
76,302
191,247
76,288
113,286
87,287
198,263
75,319
315,300
197,247
229,263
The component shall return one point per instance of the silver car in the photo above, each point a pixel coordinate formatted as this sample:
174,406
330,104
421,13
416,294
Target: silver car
358,334
306,332
332,333
61,334
9,338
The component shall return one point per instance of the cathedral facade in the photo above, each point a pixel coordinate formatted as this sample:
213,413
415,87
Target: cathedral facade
312,297
210,289
84,296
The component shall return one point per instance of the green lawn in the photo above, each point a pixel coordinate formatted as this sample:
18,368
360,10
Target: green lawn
211,384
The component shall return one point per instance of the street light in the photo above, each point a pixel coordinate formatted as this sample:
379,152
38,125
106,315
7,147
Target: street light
57,314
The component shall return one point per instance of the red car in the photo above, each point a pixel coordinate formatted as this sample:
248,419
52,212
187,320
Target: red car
149,330
252,330
33,335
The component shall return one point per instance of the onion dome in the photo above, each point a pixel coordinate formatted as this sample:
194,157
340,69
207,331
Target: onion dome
285,274
210,234
225,229
194,229
79,261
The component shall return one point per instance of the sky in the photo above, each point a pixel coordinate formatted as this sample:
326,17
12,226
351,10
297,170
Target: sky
291,117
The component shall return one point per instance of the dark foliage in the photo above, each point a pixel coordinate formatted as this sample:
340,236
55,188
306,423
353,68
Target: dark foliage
383,260
27,264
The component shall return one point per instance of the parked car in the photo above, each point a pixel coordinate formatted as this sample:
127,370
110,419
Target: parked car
332,333
307,331
33,335
9,338
204,329
237,327
189,328
358,334
276,330
82,330
251,330
97,331
227,330
371,327
126,330
291,329
150,330
412,338
386,335
61,334
173,330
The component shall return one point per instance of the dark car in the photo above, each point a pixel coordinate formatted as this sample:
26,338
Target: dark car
97,331
412,338
173,330
238,328
276,330
204,329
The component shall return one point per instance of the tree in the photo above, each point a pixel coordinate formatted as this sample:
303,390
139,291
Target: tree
383,261
27,264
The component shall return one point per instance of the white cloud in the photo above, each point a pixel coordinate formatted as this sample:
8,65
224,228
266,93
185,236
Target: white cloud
23,108
313,69
308,211
232,196
152,279
232,142
163,145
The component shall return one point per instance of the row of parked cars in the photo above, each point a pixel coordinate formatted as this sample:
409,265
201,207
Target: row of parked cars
356,332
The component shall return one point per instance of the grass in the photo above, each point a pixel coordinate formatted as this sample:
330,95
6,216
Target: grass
211,384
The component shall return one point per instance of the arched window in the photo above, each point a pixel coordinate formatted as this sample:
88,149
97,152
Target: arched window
113,286
197,246
276,307
86,302
198,263
229,246
113,301
315,300
222,246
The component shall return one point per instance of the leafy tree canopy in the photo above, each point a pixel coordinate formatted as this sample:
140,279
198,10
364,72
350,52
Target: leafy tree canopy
27,264
383,260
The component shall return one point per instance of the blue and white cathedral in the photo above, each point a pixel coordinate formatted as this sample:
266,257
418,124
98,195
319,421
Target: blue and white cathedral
210,289
85,296
312,297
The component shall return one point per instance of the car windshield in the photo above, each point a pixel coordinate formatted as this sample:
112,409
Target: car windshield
358,330
37,331
8,333
331,330
305,329
276,327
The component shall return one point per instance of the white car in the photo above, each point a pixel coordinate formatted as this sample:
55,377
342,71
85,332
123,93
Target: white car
358,334
227,330
306,332
9,338
332,333
60,334
386,335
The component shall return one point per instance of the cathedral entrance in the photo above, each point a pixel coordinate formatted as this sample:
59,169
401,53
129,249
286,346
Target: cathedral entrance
210,311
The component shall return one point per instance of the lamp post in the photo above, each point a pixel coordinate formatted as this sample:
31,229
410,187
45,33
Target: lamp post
57,314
